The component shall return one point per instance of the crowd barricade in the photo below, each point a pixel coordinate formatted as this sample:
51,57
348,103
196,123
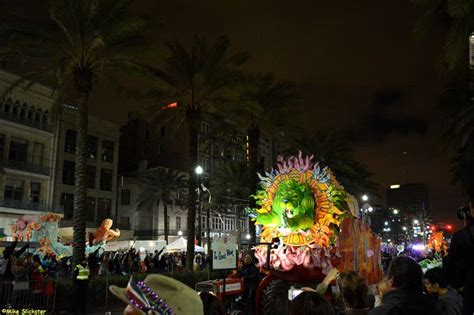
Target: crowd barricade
36,295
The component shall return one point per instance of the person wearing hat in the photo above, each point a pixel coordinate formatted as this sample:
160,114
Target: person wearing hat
80,277
158,295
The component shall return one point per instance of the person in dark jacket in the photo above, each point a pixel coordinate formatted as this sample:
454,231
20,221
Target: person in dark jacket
450,301
405,294
460,260
250,274
7,274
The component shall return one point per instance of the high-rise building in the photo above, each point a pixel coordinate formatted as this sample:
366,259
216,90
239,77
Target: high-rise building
163,142
409,198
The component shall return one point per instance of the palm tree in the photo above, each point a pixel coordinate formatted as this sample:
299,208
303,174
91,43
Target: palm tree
263,103
458,16
333,150
159,185
230,186
458,114
194,82
80,42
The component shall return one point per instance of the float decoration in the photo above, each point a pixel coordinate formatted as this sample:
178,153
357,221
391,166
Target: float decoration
437,243
302,204
44,230
104,233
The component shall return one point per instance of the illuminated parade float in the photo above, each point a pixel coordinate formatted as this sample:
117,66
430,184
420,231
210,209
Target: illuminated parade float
310,225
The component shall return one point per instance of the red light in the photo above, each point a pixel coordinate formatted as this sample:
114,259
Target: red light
449,227
171,105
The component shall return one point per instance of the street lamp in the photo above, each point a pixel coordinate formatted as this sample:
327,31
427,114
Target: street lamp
395,211
180,233
416,221
198,170
370,209
365,198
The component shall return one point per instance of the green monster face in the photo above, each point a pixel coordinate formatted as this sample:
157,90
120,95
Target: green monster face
294,204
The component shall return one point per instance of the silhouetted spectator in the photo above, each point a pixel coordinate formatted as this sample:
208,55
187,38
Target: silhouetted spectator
405,294
450,301
310,303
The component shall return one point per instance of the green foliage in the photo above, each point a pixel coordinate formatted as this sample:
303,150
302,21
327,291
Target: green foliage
201,78
96,36
332,149
458,114
230,180
458,16
159,184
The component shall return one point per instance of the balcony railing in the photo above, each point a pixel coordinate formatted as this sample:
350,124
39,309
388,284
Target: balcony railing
25,166
32,206
38,124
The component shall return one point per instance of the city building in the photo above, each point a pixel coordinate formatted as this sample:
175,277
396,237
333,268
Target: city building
163,142
27,151
102,170
149,224
409,198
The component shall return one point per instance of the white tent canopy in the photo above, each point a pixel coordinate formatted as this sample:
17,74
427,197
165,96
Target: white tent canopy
180,246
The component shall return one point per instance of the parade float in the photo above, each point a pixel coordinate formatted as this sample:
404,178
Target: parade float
43,229
309,225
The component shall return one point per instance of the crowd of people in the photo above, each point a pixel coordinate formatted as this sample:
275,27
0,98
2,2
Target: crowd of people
405,289
132,261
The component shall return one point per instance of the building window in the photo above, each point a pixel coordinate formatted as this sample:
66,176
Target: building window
2,146
104,207
162,131
68,172
35,192
216,223
18,150
229,225
67,204
70,142
90,209
178,223
38,153
90,176
105,179
125,222
92,147
14,189
203,222
107,151
125,197
243,226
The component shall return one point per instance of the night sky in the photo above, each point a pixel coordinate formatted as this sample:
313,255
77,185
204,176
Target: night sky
358,67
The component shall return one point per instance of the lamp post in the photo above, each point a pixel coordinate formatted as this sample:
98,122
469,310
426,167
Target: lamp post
208,223
198,170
